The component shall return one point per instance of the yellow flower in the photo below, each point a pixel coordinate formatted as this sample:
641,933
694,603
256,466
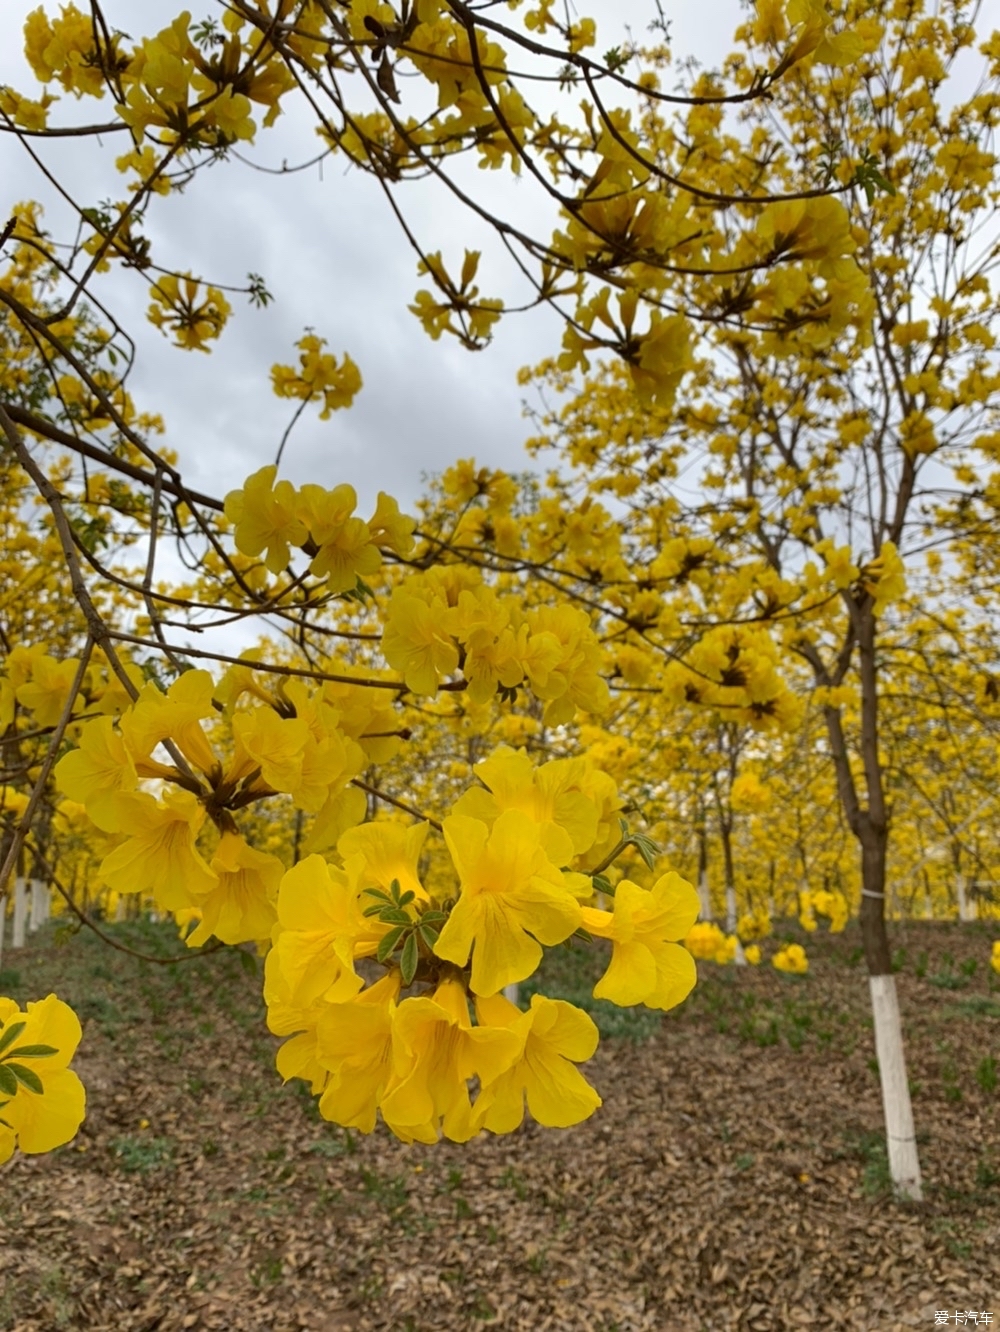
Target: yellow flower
240,908
554,1036
389,527
549,795
318,922
414,643
752,955
377,853
97,771
42,1101
791,958
513,899
995,956
266,518
176,715
46,693
436,1052
159,854
647,965
354,1041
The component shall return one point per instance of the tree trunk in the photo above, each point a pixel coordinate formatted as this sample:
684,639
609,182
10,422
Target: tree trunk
869,825
725,828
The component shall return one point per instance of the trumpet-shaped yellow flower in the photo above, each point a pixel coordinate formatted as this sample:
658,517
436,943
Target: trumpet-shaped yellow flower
377,853
436,1051
159,854
176,715
647,965
513,899
549,795
266,517
414,643
354,1041
554,1036
240,908
42,1101
318,922
97,771
48,689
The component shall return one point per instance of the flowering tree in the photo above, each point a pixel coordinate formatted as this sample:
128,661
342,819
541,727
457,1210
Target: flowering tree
379,934
829,457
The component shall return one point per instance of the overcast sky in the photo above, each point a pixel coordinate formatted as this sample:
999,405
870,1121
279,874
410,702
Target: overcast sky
335,259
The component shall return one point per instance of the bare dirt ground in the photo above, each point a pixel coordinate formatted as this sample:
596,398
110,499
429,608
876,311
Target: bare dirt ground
735,1177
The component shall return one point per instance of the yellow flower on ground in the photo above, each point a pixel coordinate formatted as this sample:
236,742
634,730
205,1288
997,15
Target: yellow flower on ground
791,958
42,1101
995,956
554,1037
648,966
513,900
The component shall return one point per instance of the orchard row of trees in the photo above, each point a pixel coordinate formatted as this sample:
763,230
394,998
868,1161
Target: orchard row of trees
743,633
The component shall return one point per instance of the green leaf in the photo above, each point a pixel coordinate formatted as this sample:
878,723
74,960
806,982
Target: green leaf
375,910
434,917
601,884
33,1051
27,1076
407,897
647,848
10,1034
377,892
429,935
410,958
394,916
394,888
623,825
8,1082
389,942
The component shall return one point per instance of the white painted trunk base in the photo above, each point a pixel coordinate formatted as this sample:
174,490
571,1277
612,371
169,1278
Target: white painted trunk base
705,896
904,1165
966,908
740,958
20,913
39,905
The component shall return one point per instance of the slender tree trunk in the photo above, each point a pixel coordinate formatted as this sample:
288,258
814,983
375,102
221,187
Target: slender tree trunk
704,892
726,832
871,828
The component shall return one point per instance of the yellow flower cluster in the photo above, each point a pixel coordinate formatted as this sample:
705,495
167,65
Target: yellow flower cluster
822,902
791,958
194,318
755,924
271,517
995,956
318,375
366,1050
304,744
708,942
447,619
42,1100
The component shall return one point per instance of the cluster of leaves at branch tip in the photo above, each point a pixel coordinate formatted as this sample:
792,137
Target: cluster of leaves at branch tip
410,939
